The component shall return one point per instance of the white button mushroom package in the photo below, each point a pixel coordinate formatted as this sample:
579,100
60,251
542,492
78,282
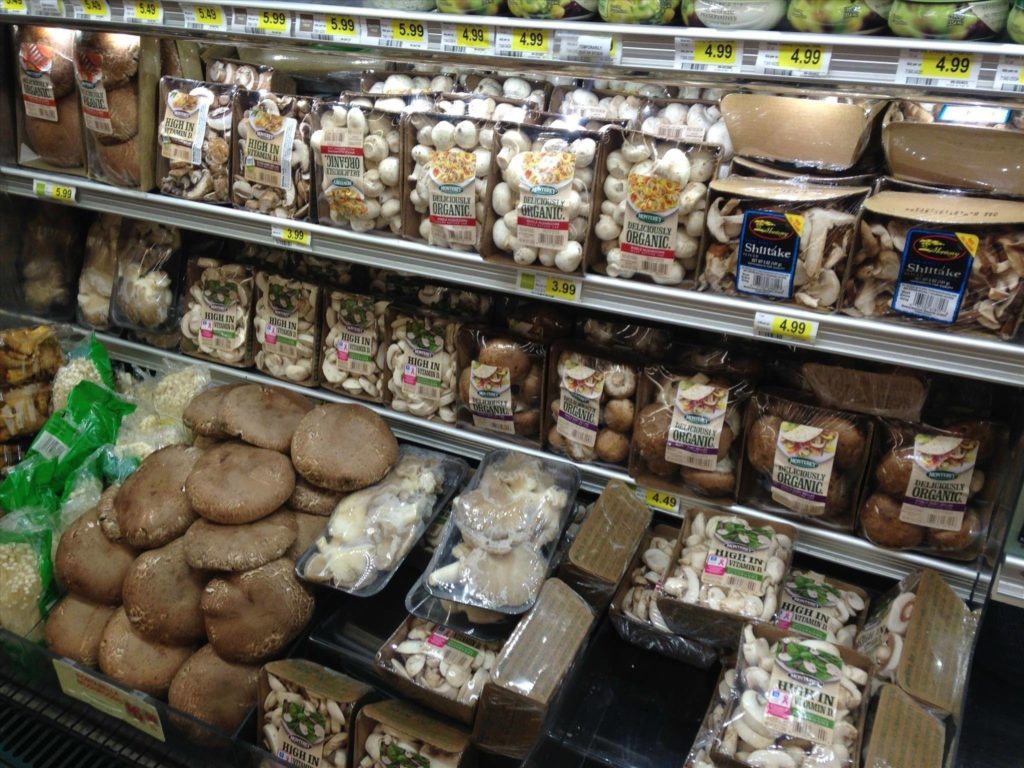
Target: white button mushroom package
485,107
688,119
507,85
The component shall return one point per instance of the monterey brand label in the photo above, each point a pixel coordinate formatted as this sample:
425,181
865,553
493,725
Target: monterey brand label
940,481
267,149
183,128
579,407
451,194
37,95
808,605
804,456
768,248
933,274
355,336
542,216
802,699
95,109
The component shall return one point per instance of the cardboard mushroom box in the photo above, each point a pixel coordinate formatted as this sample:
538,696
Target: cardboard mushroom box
393,732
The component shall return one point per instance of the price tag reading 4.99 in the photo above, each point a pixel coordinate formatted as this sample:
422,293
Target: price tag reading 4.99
551,287
782,328
950,66
943,68
460,38
709,55
526,43
788,58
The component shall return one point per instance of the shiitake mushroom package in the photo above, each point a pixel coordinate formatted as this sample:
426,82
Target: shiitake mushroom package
934,490
804,461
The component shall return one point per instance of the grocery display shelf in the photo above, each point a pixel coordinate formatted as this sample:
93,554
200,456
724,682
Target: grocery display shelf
1009,585
883,62
893,343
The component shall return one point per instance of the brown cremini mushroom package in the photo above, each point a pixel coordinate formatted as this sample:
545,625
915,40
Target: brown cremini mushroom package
394,732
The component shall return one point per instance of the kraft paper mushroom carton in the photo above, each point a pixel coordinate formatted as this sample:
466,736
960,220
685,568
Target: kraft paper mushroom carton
394,732
902,732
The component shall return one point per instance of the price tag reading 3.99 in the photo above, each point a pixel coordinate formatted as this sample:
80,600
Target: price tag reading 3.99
782,328
294,236
551,287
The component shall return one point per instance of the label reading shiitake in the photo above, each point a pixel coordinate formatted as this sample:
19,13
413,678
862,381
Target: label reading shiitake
183,128
37,96
579,407
804,456
940,482
698,418
267,151
648,238
95,109
490,397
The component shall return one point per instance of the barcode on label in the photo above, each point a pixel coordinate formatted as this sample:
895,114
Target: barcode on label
792,72
646,266
948,521
766,283
680,132
549,241
49,446
427,391
457,658
818,733
934,305
1012,88
460,235
358,367
742,584
929,82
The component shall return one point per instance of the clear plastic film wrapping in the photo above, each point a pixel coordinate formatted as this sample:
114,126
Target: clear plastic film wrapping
96,281
29,354
217,318
485,106
700,752
325,271
839,17
612,331
730,14
935,19
515,87
695,116
822,608
148,278
537,320
23,410
901,731
886,392
456,300
287,328
804,461
354,343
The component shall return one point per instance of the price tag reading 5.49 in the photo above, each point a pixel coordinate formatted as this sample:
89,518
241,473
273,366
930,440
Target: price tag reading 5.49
203,17
784,328
143,12
94,9
551,287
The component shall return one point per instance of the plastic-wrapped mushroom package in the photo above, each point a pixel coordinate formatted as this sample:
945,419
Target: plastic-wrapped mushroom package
509,86
639,602
357,153
733,14
394,733
700,752
608,331
591,398
536,320
372,530
447,167
46,273
501,382
259,256
839,17
148,279
941,20
503,533
96,282
621,12
404,83
541,207
885,631
934,490
652,203
818,606
805,461
688,433
49,121
688,120
352,359
273,166
216,324
797,702
194,140
599,103
286,322
421,364
980,242
253,77
482,107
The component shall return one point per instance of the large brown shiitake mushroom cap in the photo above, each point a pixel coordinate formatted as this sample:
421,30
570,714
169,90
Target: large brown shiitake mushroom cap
237,483
343,447
162,594
91,565
62,67
312,499
213,690
202,414
123,105
263,416
119,163
307,528
151,508
74,629
213,547
136,662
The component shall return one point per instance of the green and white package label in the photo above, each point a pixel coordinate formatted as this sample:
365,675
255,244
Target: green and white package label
803,693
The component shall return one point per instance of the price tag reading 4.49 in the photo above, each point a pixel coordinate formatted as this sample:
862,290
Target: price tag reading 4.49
58,192
269,22
292,236
551,287
782,328
143,12
660,501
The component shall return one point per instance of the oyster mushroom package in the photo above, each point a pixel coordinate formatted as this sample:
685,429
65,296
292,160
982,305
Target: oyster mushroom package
421,363
934,490
217,319
785,242
354,345
818,606
148,278
501,382
117,82
591,402
652,207
393,733
307,713
796,702
503,532
804,461
951,261
96,281
273,165
286,321
540,209
49,121
194,140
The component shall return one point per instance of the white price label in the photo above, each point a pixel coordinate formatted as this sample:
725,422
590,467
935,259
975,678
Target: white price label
597,49
709,55
60,193
203,16
265,21
942,69
783,328
1010,74
143,12
338,28
525,43
562,288
467,38
46,7
94,10
794,60
293,236
402,33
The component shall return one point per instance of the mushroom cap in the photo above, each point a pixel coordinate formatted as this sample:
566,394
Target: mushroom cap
91,565
307,528
851,443
237,483
62,66
58,143
252,616
880,518
263,416
618,415
213,547
714,484
343,447
893,471
74,629
506,353
162,594
202,414
650,435
959,540
982,431
151,507
107,515
119,163
136,662
120,56
764,434
213,690
312,499
123,105
612,446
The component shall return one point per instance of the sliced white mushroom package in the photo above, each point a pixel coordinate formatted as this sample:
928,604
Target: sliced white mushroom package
286,321
216,323
503,533
421,363
194,140
393,733
700,752
787,242
796,702
96,281
354,345
540,209
652,204
818,606
252,77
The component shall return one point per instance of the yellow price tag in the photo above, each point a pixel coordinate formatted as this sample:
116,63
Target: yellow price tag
277,22
715,52
471,36
340,26
661,501
14,6
96,8
553,287
531,40
292,236
946,65
57,192
148,10
208,15
785,328
809,58
409,31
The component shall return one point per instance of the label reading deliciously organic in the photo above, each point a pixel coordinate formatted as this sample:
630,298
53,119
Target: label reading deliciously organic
940,482
933,275
267,149
451,192
698,418
768,248
95,109
184,127
341,154
36,86
490,397
808,605
803,692
442,645
542,217
423,370
579,407
355,337
804,456
287,299
218,325
648,237
305,732
738,558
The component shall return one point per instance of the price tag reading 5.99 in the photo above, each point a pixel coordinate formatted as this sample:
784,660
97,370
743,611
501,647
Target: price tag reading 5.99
403,34
272,22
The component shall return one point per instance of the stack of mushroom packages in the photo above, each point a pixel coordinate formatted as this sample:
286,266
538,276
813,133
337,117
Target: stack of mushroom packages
181,582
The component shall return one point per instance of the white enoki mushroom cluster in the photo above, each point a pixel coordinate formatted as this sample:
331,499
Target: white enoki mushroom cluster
697,122
641,601
449,672
207,181
96,282
441,144
688,167
842,607
400,84
351,320
883,634
700,753
824,245
224,290
372,199
511,87
20,587
69,376
480,107
758,601
388,747
427,342
747,738
522,165
283,303
609,106
321,719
